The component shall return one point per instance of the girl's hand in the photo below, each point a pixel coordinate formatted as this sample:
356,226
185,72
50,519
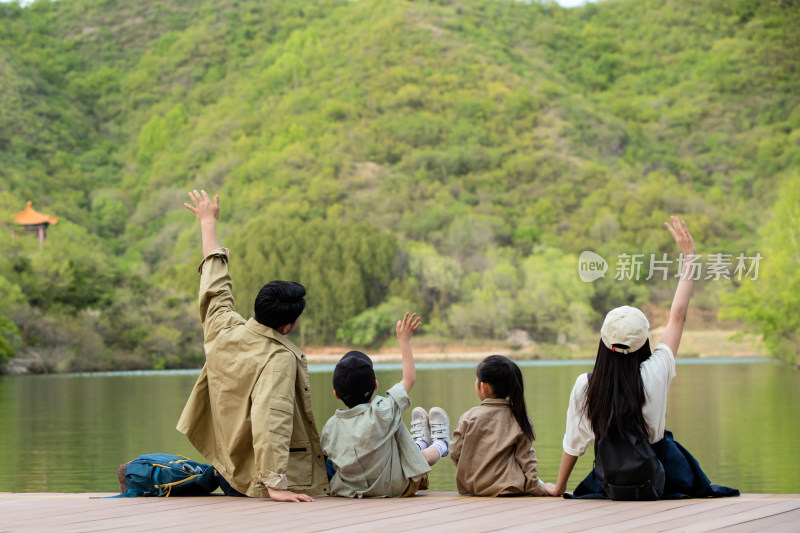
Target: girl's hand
680,232
202,206
407,326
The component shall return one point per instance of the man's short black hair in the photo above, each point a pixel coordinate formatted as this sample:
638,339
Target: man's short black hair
279,303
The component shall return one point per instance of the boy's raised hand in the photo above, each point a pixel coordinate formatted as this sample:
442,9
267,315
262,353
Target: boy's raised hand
407,326
405,329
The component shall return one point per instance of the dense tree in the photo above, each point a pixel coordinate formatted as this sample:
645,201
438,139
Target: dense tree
454,156
767,298
345,268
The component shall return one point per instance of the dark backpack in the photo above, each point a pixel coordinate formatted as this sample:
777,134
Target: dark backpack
628,468
163,474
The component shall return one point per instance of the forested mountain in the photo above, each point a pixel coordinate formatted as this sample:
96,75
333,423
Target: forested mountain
451,157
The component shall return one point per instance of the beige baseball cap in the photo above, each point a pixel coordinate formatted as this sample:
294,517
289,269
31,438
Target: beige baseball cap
627,326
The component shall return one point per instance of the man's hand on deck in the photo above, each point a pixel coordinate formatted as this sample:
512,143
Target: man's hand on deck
288,496
202,206
552,490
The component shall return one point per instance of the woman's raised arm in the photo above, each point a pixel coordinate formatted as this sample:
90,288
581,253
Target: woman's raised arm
680,304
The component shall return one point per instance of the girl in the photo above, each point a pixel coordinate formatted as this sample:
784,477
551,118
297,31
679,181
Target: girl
627,392
491,447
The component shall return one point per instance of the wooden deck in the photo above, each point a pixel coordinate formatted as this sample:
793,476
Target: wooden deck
434,511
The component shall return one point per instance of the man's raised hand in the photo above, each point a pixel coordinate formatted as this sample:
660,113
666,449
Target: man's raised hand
207,213
202,206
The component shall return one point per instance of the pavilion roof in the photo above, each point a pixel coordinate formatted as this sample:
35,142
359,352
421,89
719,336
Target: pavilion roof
29,217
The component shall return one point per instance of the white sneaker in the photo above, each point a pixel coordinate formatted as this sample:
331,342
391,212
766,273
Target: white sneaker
420,429
440,424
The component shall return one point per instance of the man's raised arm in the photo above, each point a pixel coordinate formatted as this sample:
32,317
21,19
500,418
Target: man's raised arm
207,212
216,287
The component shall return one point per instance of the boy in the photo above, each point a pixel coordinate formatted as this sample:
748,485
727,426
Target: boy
250,412
372,452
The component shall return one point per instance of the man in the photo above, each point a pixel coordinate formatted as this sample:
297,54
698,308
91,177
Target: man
250,412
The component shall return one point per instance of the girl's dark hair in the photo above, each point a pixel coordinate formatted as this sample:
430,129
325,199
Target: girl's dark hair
615,394
505,378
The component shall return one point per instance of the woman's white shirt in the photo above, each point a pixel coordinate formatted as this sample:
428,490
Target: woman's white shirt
657,374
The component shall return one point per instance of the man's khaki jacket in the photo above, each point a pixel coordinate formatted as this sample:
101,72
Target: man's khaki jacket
250,412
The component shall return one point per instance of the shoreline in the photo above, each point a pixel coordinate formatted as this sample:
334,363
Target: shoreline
695,344
699,344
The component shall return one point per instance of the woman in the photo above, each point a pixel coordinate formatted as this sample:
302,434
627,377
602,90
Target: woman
626,394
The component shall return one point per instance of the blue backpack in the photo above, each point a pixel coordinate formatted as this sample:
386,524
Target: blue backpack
163,474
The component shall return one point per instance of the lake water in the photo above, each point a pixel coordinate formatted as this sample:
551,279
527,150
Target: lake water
69,433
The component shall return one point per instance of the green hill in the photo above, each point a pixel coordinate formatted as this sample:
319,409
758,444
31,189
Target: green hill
450,157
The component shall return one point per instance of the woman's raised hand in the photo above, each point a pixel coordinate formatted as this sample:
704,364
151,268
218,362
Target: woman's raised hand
680,232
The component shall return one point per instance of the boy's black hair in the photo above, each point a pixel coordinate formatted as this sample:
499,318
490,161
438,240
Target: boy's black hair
505,378
279,303
354,379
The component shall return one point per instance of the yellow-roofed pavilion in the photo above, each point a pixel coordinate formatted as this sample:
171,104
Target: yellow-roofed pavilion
33,221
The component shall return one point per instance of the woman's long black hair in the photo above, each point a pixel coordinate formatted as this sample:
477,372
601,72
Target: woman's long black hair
505,378
615,395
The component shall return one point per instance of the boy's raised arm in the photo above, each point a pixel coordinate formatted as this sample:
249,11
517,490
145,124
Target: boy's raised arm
405,330
207,212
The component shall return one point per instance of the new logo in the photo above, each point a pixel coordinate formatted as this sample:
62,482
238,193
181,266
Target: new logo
591,266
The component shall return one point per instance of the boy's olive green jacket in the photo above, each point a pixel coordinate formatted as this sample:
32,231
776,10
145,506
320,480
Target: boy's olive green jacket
250,412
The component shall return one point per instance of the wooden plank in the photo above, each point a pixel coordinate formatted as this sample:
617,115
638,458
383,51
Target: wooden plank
318,515
448,516
631,514
420,509
218,513
84,513
784,522
498,513
674,511
444,512
735,517
76,508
